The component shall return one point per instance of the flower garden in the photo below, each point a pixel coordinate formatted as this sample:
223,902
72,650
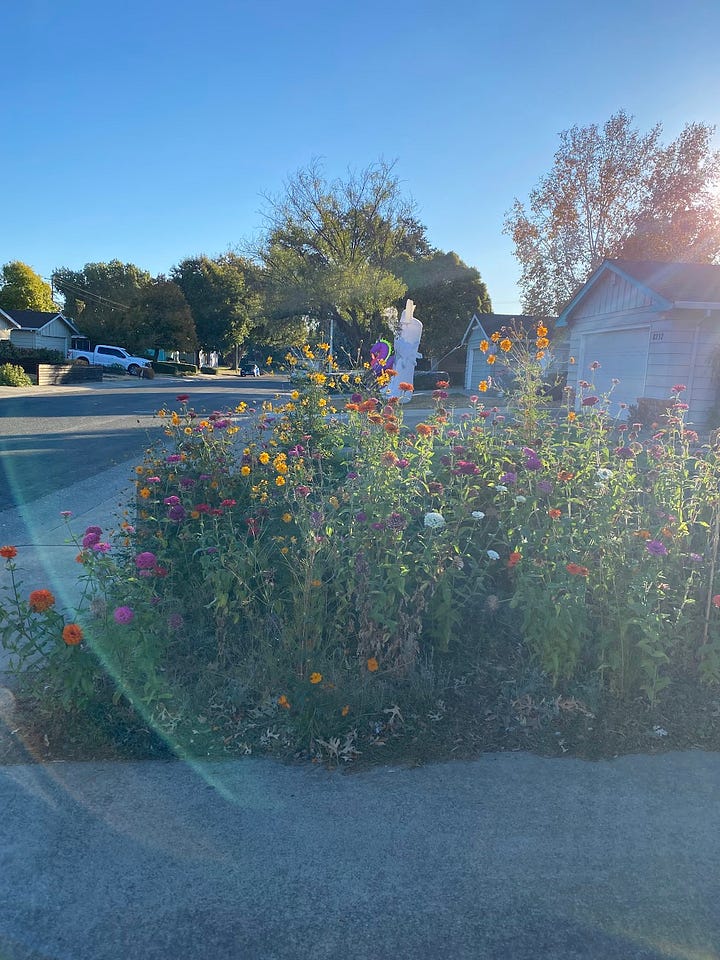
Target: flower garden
318,579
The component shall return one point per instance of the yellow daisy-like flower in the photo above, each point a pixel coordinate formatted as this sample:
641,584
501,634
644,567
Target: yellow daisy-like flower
543,342
175,419
484,346
506,345
264,457
245,471
162,413
495,336
283,702
491,359
482,386
287,518
315,677
334,502
187,430
284,550
572,416
139,470
279,481
144,492
542,331
295,395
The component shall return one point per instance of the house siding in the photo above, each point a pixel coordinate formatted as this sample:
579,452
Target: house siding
612,294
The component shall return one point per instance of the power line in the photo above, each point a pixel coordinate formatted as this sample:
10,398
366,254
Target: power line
80,293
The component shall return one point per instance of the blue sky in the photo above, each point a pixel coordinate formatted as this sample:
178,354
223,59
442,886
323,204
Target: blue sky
150,130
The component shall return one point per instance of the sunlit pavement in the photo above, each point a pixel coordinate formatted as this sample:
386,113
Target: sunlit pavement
509,856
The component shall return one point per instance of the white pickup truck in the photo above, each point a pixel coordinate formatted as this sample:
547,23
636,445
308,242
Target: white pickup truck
108,356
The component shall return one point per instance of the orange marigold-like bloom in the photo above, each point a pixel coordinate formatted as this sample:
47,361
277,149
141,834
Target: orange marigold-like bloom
406,387
542,331
495,336
491,358
8,553
375,418
483,386
372,664
565,475
514,559
506,345
484,346
72,634
353,407
543,342
424,429
577,570
283,702
345,710
391,427
442,384
41,600
642,534
572,416
144,492
315,677
554,513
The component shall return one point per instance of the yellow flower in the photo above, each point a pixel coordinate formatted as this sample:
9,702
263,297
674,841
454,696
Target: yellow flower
506,345
484,346
334,502
162,413
284,702
295,395
287,517
495,336
482,386
264,457
284,550
245,471
175,419
543,342
139,470
144,492
268,360
345,710
491,359
279,481
315,677
572,416
541,330
187,430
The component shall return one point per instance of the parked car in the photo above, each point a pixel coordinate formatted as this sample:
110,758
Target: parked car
111,356
248,368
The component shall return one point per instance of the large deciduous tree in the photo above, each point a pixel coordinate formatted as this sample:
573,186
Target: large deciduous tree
161,319
100,297
329,246
22,289
222,294
447,293
615,192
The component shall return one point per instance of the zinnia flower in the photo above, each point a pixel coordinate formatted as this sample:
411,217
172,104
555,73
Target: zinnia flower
424,429
72,634
8,553
554,513
656,548
577,570
434,520
123,615
478,515
716,600
372,664
145,561
41,600
514,559
493,555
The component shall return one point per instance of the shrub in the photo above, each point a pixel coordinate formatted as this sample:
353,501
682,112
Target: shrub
213,371
12,375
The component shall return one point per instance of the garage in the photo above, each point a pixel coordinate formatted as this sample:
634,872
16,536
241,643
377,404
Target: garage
622,355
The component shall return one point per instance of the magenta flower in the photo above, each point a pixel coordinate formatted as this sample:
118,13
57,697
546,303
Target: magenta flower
171,501
182,397
678,388
101,547
90,539
173,458
624,453
176,512
145,561
123,615
656,548
589,401
302,491
508,479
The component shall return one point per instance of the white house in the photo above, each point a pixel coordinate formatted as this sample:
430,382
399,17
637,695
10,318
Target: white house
37,329
650,326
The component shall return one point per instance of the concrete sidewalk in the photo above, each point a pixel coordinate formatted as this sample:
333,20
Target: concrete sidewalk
510,857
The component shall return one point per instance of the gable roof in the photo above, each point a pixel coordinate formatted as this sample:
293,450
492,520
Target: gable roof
35,319
694,286
495,322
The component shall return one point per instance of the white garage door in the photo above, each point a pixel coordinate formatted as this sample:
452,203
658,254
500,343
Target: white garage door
622,355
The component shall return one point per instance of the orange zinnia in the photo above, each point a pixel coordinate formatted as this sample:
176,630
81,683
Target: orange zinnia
577,570
514,558
554,513
8,553
372,664
565,475
283,702
41,600
424,429
406,387
72,634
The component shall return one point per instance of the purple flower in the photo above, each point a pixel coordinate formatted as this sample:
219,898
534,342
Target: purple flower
173,458
352,475
175,621
624,453
589,401
508,479
545,486
360,517
533,463
171,501
355,398
176,512
696,558
656,548
316,518
95,530
378,525
187,482
101,547
90,539
402,463
145,561
302,491
123,615
396,521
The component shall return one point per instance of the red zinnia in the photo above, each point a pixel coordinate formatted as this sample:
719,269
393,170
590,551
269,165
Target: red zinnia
41,600
8,553
514,558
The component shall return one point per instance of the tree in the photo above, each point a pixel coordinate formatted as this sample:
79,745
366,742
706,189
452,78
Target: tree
447,293
160,319
329,246
223,297
614,192
22,289
99,298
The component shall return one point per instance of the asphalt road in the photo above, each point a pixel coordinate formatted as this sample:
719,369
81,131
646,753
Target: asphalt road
54,437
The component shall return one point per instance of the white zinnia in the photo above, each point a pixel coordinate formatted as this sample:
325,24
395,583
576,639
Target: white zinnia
501,488
493,555
604,474
478,515
520,499
435,521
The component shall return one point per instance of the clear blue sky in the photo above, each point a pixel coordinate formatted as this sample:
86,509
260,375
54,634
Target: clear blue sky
149,130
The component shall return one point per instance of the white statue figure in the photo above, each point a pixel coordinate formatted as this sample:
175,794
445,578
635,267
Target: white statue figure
407,341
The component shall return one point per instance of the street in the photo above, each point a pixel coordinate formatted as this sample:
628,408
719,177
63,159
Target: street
51,439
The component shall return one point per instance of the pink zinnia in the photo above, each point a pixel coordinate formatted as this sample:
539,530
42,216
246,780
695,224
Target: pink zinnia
145,561
123,615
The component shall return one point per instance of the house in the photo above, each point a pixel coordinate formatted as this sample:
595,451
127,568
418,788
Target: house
649,326
482,327
37,330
